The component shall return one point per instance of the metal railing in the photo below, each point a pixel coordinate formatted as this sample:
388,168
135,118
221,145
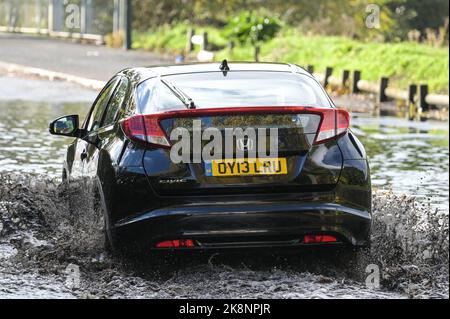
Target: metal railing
80,19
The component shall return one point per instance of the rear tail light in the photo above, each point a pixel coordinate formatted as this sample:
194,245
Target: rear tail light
177,243
319,239
334,123
145,128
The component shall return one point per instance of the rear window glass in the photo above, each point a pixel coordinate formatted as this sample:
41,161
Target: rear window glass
236,89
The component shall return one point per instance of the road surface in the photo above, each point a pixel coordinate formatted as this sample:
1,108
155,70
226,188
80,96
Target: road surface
58,55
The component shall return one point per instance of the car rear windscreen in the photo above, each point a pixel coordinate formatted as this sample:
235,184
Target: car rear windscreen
235,89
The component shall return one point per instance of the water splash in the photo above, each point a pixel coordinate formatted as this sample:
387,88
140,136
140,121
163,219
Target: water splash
47,225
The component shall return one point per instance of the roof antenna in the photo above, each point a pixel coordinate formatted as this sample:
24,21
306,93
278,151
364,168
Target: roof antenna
224,67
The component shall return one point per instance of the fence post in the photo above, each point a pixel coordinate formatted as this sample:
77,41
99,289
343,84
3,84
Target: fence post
412,107
310,68
384,83
345,78
328,73
423,92
257,51
189,44
230,47
205,41
356,79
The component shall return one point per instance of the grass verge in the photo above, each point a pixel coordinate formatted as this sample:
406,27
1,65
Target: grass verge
404,63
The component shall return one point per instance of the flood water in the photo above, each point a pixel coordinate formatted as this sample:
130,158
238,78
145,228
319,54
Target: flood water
406,157
46,231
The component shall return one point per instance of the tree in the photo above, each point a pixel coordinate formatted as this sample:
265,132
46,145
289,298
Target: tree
336,17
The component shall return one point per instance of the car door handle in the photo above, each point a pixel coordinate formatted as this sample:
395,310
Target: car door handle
83,155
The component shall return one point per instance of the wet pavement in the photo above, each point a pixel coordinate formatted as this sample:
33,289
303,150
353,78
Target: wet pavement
51,247
87,60
15,89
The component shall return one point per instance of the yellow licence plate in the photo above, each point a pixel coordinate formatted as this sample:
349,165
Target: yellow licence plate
246,167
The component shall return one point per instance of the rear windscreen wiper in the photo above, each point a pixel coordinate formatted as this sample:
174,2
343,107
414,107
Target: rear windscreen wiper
183,97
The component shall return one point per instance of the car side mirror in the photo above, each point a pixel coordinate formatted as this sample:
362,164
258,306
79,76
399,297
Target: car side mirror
65,126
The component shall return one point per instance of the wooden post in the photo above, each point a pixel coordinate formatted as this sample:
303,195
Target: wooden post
384,83
189,44
310,68
356,79
205,41
328,73
411,103
230,47
345,78
423,92
257,51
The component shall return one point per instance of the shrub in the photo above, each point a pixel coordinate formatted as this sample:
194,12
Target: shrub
249,28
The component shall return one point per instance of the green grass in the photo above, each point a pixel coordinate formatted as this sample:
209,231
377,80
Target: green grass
172,39
405,63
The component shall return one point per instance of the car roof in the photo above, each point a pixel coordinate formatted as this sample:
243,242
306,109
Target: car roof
143,73
212,67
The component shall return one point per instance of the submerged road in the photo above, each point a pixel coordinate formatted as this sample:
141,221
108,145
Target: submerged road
41,242
51,239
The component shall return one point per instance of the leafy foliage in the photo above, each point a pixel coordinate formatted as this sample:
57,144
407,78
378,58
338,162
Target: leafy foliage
404,63
248,27
325,17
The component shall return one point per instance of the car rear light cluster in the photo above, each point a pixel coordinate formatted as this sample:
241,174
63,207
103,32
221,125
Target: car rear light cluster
147,128
334,123
177,243
319,239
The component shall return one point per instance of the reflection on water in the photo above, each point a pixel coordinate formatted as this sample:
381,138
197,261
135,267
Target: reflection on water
410,157
25,144
405,156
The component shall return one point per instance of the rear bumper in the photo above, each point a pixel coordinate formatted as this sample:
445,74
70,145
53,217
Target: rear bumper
242,225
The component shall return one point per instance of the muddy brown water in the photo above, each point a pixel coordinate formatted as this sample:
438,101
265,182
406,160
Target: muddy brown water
52,248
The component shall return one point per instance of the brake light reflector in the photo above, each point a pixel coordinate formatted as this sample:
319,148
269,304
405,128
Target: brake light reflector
319,239
334,123
177,243
145,128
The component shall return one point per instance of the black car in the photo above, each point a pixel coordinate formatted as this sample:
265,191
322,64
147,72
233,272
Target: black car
317,191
